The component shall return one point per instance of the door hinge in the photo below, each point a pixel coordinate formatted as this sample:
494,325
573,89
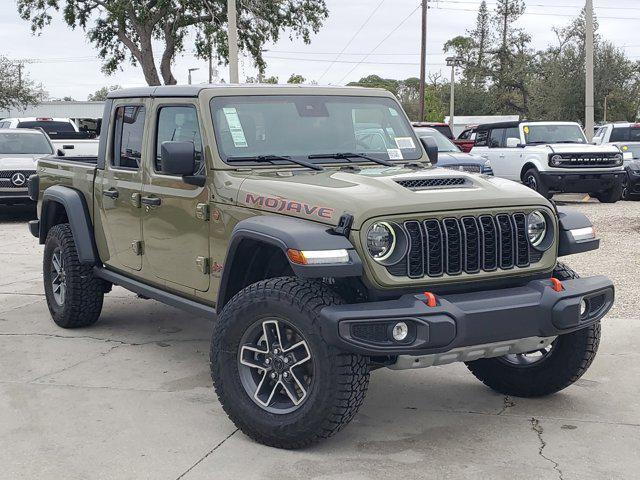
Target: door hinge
136,199
202,211
204,265
137,247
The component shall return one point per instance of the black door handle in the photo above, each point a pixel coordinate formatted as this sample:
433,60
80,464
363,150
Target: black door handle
152,201
111,193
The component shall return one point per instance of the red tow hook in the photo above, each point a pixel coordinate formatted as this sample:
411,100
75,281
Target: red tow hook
556,284
431,299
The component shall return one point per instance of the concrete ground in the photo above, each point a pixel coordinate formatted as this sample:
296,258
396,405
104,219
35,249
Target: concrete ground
131,397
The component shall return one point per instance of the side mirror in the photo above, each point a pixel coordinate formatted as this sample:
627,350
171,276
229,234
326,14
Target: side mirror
513,142
178,158
431,147
60,152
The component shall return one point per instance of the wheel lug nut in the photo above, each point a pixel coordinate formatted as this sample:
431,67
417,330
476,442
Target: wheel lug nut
276,351
267,361
285,374
273,375
286,360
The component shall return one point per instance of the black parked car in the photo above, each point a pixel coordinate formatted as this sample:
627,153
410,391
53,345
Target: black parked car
450,156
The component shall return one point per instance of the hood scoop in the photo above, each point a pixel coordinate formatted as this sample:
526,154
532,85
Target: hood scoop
417,184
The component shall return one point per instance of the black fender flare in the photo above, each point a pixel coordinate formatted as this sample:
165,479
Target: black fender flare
77,211
569,219
291,233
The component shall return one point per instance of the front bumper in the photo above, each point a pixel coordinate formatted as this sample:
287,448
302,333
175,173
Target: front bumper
467,319
14,195
581,182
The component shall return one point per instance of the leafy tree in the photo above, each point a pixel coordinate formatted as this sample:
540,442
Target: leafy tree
100,95
16,89
272,80
126,30
296,79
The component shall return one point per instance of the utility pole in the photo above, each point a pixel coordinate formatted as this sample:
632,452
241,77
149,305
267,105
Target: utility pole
423,57
211,65
605,108
191,70
588,91
232,16
453,62
20,66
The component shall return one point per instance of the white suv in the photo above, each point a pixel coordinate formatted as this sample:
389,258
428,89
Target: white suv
626,136
552,157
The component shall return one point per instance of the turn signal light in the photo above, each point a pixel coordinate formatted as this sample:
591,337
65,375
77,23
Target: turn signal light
318,257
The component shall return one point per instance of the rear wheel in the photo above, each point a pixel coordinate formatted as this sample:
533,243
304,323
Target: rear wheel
274,375
74,296
545,371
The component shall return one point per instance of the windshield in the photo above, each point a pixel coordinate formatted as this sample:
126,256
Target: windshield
444,144
48,126
301,126
554,134
24,144
625,134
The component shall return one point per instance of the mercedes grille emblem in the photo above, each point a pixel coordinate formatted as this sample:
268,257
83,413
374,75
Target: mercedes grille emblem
18,179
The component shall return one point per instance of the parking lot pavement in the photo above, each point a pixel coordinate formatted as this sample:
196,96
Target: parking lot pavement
131,397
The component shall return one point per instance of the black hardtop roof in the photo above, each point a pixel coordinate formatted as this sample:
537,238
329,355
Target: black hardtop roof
490,126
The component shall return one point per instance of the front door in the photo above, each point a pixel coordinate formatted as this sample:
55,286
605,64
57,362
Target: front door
176,230
119,187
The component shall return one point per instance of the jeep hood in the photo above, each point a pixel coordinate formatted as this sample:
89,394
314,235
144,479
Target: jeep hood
579,148
376,192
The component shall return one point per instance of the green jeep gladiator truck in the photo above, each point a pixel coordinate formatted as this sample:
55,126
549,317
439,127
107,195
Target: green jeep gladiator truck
311,225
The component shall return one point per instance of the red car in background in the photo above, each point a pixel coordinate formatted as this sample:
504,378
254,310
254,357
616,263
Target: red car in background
463,144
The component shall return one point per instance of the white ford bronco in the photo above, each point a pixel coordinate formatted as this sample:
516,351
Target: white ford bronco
552,157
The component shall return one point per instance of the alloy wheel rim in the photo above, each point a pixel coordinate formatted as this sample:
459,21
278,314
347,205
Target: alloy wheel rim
528,359
58,277
275,365
532,183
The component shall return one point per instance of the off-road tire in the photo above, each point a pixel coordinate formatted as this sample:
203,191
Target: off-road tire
570,357
612,195
340,379
84,292
532,179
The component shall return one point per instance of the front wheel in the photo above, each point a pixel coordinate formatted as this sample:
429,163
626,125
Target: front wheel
545,371
274,375
612,195
532,179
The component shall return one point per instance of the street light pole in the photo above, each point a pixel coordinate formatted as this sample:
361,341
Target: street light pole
589,103
423,57
232,16
453,62
191,70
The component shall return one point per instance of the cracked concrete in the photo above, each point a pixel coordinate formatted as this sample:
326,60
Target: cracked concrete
536,427
131,398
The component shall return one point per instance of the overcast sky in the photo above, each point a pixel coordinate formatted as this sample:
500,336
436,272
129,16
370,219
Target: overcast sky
67,65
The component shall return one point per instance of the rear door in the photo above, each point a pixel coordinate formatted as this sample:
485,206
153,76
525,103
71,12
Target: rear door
176,230
119,185
497,153
512,156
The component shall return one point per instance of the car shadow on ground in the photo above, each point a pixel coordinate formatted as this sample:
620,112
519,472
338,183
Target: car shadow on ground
17,213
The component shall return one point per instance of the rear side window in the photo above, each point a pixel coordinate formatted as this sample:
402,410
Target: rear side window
445,130
625,134
496,139
482,138
127,137
50,127
178,124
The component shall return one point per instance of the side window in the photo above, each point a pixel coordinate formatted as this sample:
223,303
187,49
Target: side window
482,138
512,132
127,137
178,124
496,138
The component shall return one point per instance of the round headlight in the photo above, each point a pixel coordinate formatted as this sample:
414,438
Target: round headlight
618,158
381,240
536,228
556,160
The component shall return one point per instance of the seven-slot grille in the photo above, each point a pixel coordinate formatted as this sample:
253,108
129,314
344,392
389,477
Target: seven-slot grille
451,246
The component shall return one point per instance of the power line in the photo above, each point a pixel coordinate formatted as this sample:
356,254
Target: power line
527,4
349,62
381,42
352,38
534,13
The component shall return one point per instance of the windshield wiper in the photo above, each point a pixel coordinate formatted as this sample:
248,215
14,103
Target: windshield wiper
271,158
348,156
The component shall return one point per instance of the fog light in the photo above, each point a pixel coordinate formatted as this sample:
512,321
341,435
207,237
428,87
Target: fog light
400,331
584,308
